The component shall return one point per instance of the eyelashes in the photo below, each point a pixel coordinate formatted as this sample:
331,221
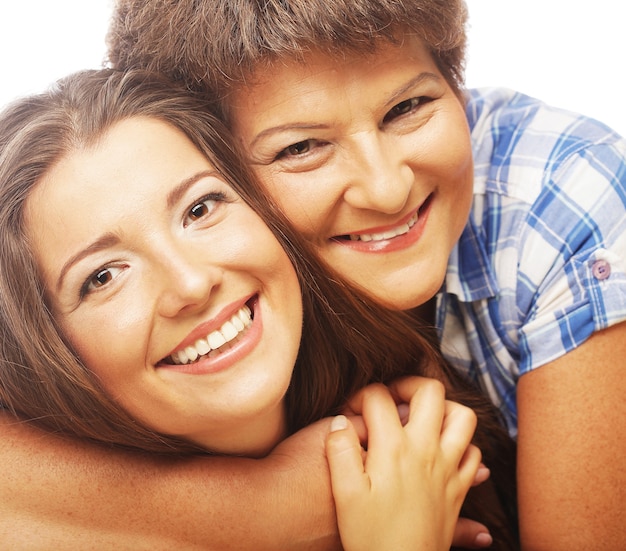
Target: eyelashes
203,207
298,149
100,278
405,107
200,211
301,151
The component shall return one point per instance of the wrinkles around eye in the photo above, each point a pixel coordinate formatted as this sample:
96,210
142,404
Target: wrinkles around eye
299,149
406,107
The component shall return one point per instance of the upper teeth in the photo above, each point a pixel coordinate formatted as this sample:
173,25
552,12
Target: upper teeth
400,230
226,333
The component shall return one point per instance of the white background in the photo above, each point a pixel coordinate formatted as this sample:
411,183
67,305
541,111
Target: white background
567,52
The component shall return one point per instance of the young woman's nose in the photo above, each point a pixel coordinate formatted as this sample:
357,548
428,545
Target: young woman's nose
380,179
187,281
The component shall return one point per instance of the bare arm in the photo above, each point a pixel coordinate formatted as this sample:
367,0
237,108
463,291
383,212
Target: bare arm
61,494
571,446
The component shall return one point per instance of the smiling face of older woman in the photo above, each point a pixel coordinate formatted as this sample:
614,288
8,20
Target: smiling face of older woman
370,158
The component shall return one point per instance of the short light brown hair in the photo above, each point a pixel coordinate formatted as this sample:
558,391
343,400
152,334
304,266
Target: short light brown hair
211,45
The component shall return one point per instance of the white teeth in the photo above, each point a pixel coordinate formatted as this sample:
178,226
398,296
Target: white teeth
202,346
181,357
192,353
245,315
237,323
400,230
216,339
227,333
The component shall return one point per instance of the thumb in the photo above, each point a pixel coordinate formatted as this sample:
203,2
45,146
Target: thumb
345,459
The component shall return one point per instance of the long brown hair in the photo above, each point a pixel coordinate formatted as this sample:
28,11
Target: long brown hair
348,340
41,377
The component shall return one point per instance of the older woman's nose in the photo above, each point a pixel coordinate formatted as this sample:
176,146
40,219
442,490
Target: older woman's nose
380,178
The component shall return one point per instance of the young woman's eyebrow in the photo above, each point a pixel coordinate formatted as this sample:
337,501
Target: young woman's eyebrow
110,239
103,242
175,194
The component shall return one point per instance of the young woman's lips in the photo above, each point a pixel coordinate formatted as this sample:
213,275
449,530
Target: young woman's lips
219,348
389,238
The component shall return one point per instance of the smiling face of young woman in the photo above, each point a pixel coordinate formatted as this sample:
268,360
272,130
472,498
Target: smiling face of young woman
370,158
169,287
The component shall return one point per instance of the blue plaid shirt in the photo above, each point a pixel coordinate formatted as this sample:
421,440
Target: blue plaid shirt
541,264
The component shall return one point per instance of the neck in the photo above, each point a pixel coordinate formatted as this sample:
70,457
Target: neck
255,439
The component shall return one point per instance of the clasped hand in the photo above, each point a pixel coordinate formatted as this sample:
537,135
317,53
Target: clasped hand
402,467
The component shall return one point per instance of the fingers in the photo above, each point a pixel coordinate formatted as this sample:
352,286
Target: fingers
436,423
427,406
408,398
432,421
470,534
428,410
420,461
435,427
482,475
380,415
404,389
457,431
468,467
345,461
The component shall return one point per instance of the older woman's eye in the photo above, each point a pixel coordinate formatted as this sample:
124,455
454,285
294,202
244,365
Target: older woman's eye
298,149
404,107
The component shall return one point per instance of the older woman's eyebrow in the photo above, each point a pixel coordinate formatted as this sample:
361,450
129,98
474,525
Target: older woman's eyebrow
408,86
394,96
268,132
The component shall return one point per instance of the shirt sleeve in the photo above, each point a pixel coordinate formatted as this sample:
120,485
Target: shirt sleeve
572,273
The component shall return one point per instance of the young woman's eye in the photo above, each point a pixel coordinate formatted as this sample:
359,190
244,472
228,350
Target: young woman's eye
99,279
403,108
203,207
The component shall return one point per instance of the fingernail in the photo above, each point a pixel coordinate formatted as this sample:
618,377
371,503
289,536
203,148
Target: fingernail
338,423
403,413
483,539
